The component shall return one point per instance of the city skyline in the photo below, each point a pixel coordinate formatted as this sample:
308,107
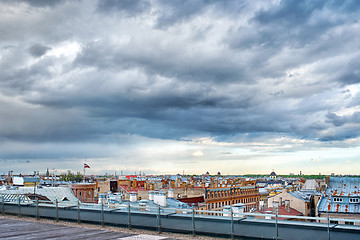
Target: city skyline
168,86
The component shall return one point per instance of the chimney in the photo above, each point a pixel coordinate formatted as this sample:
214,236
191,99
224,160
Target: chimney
226,211
327,180
238,209
151,195
133,197
160,198
287,205
261,205
170,193
275,207
101,198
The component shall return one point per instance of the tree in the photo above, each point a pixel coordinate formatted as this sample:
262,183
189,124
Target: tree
78,177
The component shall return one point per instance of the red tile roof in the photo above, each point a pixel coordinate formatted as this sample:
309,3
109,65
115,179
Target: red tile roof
282,211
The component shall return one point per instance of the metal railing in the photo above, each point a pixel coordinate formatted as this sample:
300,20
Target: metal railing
22,206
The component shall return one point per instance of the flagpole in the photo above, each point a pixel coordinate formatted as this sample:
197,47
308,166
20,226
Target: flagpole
84,172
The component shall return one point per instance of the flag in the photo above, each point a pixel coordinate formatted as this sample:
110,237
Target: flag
86,166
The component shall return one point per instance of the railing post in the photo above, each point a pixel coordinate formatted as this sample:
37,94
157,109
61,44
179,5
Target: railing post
129,217
159,219
232,223
78,211
56,210
37,208
328,225
193,222
276,225
19,205
3,205
102,213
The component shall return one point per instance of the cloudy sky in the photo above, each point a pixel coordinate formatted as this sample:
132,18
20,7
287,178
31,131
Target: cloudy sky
163,86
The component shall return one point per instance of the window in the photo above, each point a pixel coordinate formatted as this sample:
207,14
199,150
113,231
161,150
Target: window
334,222
337,199
349,223
353,200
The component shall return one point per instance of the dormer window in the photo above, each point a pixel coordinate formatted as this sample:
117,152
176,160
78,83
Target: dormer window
353,200
337,199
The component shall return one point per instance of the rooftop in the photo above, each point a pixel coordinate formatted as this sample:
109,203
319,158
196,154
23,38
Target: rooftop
52,193
344,186
282,211
341,187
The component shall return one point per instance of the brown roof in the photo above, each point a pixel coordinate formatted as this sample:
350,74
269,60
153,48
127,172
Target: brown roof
282,211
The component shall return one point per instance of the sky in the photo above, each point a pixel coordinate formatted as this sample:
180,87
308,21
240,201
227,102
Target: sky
159,86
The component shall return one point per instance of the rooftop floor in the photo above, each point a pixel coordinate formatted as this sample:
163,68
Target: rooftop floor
20,229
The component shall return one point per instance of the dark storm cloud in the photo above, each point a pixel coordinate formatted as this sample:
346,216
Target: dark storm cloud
21,79
340,134
37,50
182,63
172,12
21,122
350,74
126,6
177,11
38,3
297,23
337,120
313,30
173,69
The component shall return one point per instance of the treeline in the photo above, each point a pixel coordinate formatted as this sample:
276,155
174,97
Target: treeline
289,176
71,177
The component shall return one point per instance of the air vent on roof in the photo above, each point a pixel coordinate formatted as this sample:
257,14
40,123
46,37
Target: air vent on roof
65,199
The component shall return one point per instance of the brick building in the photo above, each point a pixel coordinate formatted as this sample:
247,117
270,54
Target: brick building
85,192
217,198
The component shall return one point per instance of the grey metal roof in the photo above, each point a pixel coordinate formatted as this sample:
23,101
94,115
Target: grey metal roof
15,197
341,187
51,193
174,203
263,191
301,195
344,186
310,184
326,205
31,179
